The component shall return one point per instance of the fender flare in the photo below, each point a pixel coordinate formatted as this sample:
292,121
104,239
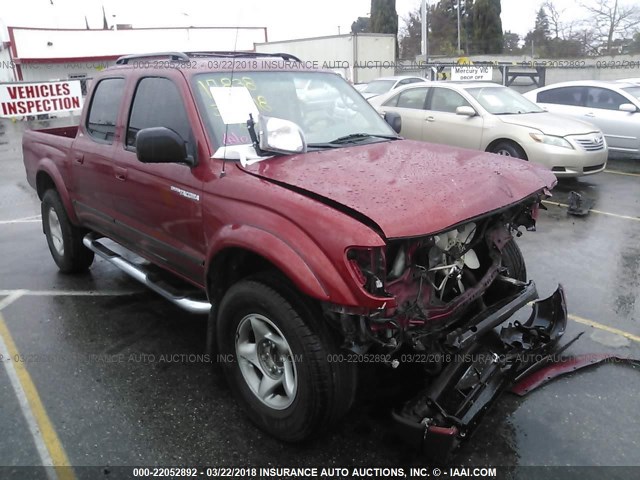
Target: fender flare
281,254
49,167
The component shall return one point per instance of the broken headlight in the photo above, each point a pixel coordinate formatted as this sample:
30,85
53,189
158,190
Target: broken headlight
368,266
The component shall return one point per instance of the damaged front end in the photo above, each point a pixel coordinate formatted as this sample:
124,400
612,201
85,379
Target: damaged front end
454,296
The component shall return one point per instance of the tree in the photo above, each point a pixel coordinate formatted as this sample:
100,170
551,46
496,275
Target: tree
384,18
487,26
361,25
612,19
443,22
538,38
411,35
510,42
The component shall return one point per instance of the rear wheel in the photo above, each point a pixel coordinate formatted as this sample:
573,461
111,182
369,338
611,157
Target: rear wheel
509,149
285,371
64,238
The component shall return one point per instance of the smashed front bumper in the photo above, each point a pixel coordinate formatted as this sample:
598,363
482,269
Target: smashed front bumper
486,363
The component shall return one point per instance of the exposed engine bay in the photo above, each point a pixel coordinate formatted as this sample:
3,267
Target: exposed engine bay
455,293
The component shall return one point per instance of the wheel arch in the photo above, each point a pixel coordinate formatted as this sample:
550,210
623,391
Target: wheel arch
48,177
243,251
497,141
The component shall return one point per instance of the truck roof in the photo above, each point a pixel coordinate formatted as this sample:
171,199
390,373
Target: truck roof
215,61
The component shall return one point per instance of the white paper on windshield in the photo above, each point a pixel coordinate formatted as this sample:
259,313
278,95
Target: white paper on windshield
234,104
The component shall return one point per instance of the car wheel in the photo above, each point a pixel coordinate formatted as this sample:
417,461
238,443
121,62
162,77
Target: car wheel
282,368
513,261
64,239
509,149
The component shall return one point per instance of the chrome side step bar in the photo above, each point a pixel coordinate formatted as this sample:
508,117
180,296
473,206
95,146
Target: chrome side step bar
138,272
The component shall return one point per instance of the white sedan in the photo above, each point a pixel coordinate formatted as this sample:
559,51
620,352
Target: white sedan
613,107
493,118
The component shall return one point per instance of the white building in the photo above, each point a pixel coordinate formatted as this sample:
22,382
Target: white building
359,58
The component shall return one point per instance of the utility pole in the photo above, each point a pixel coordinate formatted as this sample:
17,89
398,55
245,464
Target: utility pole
458,27
425,31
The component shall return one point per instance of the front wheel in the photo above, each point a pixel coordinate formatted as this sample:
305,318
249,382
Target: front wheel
64,238
509,149
282,369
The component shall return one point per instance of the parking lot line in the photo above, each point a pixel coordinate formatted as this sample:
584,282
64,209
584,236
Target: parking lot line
31,219
44,435
625,217
606,328
616,172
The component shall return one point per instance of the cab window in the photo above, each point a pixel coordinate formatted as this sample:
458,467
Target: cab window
158,103
103,111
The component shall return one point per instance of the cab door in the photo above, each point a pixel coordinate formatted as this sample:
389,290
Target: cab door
410,105
621,129
157,205
91,166
444,125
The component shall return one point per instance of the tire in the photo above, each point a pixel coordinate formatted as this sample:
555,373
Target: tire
64,239
509,149
256,321
513,260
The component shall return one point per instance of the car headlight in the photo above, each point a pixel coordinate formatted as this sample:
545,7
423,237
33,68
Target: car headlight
551,140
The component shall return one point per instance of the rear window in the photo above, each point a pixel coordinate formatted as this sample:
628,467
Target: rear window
103,112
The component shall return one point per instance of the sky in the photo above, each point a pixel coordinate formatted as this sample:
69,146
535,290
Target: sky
284,19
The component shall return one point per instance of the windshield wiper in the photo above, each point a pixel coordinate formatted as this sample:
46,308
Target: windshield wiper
358,136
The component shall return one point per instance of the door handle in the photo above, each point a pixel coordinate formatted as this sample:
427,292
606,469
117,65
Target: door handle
79,158
121,174
590,114
430,119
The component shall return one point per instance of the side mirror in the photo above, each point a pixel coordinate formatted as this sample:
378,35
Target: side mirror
628,107
466,111
394,120
161,145
280,136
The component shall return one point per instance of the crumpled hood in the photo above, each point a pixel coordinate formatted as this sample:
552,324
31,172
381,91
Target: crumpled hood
409,188
550,124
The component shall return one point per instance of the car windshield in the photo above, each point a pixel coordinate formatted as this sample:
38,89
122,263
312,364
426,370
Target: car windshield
634,91
379,86
503,101
323,105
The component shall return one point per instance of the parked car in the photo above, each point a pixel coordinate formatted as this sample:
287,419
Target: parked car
493,118
313,247
383,85
613,107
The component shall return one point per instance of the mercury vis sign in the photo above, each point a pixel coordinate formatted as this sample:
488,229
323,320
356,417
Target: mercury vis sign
472,73
19,99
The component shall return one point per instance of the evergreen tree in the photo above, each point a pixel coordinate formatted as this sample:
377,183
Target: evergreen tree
384,18
487,26
539,36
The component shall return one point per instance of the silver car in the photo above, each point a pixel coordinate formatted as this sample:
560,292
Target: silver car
493,118
613,107
382,85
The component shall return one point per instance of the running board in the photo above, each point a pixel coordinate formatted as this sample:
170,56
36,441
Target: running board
143,276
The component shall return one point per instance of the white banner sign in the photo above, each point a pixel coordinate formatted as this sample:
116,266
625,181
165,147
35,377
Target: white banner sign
20,99
472,73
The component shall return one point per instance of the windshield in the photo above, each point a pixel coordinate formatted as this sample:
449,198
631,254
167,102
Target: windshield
503,101
379,86
633,91
323,105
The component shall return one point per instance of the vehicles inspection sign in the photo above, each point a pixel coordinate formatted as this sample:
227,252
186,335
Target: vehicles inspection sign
20,99
471,73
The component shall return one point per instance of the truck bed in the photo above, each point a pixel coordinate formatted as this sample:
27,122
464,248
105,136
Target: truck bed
45,146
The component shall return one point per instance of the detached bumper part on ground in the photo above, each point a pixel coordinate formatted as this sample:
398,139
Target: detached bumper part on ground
438,418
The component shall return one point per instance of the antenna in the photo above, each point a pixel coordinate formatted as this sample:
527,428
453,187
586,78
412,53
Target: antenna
226,126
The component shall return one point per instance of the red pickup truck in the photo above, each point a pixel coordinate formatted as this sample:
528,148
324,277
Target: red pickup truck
312,234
